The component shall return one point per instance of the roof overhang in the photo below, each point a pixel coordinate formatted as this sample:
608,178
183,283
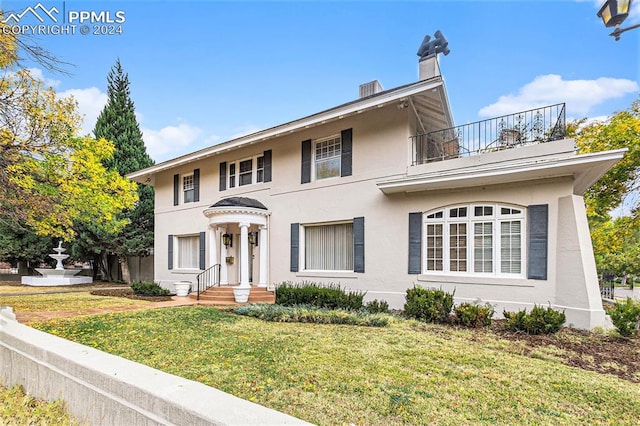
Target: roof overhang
585,169
428,96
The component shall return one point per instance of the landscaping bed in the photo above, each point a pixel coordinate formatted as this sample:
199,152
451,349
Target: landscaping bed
129,294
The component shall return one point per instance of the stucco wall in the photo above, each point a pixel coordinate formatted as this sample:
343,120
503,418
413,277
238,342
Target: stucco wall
381,150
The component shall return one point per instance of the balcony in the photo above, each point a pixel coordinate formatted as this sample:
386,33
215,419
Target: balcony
525,128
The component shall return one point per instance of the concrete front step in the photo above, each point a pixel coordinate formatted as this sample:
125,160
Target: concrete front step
223,295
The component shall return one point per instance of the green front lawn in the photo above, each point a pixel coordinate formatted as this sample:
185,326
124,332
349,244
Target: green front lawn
78,302
406,373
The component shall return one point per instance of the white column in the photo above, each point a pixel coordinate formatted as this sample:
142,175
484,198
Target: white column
224,276
244,255
213,246
263,242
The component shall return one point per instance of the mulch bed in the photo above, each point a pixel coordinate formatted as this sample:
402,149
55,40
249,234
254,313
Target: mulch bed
129,294
597,352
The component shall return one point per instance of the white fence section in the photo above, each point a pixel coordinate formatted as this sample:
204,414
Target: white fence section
104,389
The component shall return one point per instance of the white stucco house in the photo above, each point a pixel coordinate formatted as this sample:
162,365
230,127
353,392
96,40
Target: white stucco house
384,193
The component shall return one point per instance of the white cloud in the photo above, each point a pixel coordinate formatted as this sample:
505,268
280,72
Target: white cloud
91,101
580,95
39,75
170,140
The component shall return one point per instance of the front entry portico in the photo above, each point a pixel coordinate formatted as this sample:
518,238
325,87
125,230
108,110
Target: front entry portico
238,230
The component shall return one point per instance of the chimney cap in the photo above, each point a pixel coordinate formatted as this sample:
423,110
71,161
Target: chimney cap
369,89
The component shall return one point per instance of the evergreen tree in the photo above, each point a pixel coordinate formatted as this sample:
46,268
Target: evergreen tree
117,122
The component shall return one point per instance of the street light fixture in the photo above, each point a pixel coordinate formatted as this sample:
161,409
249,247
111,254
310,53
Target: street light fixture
613,13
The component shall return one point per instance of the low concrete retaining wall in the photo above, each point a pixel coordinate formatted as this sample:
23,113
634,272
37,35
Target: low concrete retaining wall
104,389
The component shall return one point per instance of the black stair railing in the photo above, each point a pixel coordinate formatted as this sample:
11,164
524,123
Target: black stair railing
208,278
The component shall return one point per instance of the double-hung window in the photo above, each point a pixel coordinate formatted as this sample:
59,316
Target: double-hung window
327,157
188,188
474,239
243,172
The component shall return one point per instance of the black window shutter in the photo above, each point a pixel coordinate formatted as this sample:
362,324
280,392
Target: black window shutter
358,244
415,243
267,166
295,244
203,239
176,190
196,185
538,220
306,162
346,137
223,176
170,252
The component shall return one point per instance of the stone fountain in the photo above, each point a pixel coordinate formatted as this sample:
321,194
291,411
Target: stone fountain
58,276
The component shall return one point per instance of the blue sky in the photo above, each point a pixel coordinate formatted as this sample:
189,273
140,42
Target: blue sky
204,72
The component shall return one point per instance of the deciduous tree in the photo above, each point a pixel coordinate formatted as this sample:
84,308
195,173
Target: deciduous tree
50,177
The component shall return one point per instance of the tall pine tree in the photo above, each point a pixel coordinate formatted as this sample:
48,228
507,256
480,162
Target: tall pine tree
117,122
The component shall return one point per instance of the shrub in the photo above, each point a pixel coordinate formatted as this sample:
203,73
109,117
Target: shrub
473,315
430,305
377,306
626,317
145,288
538,321
311,314
307,293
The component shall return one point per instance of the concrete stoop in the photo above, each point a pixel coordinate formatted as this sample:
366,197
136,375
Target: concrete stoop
223,295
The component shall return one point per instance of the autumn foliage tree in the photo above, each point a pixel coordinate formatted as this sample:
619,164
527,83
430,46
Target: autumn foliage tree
51,178
616,241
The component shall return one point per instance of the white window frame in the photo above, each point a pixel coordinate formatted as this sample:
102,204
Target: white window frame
314,159
236,176
303,248
184,189
496,218
176,253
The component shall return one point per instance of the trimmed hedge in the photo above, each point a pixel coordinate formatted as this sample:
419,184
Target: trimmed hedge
311,314
309,293
377,307
145,288
429,305
538,321
473,315
626,317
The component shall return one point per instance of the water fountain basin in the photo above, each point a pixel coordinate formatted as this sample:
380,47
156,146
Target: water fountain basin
58,276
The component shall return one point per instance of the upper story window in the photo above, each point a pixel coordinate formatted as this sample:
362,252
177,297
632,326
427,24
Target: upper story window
488,241
327,157
187,184
247,171
188,188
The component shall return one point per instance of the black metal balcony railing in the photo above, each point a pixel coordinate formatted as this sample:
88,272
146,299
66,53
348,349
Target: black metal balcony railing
531,127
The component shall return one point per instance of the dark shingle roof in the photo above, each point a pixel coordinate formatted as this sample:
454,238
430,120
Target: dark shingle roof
240,202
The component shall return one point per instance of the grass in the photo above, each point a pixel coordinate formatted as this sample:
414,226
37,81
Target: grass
406,373
79,302
17,408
